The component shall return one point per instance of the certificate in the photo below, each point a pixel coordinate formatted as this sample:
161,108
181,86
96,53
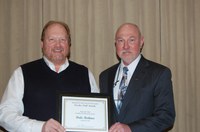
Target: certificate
84,112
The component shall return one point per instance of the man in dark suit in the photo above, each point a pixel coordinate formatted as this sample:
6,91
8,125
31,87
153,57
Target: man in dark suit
142,94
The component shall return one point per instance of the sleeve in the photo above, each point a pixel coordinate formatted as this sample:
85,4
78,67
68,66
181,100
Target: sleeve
12,108
163,115
93,85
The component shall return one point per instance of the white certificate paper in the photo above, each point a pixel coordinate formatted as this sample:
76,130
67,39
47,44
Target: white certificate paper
84,114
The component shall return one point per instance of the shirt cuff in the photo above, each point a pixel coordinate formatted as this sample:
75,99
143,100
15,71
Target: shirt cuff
37,126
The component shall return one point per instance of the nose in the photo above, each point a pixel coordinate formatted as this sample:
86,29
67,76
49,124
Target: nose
58,40
126,45
58,43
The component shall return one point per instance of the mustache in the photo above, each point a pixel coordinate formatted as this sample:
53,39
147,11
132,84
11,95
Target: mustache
57,49
126,51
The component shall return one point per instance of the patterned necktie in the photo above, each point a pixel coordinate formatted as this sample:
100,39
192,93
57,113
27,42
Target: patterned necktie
122,89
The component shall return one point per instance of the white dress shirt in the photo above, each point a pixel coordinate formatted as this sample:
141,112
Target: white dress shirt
12,108
118,76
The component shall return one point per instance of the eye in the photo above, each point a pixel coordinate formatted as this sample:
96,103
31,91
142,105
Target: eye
63,40
51,40
120,41
131,40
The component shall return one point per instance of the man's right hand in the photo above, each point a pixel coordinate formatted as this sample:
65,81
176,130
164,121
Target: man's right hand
52,126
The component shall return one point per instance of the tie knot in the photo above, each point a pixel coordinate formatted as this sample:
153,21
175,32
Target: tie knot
125,70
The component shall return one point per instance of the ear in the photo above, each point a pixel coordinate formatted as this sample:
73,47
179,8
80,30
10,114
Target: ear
141,42
41,44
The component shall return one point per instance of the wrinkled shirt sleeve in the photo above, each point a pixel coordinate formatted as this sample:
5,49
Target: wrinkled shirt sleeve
93,85
12,108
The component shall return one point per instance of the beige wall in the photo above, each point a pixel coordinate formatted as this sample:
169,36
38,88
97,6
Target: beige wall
170,27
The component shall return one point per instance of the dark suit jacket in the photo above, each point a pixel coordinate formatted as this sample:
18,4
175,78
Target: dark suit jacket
148,104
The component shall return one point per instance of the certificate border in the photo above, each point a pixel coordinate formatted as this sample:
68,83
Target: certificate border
97,96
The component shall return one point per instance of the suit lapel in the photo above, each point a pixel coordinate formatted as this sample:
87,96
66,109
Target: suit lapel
111,77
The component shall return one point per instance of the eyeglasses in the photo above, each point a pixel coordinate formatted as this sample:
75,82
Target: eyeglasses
54,40
121,41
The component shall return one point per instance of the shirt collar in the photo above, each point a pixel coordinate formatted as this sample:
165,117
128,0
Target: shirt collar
132,66
52,67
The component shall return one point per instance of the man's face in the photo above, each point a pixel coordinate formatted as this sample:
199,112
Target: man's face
128,43
56,46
